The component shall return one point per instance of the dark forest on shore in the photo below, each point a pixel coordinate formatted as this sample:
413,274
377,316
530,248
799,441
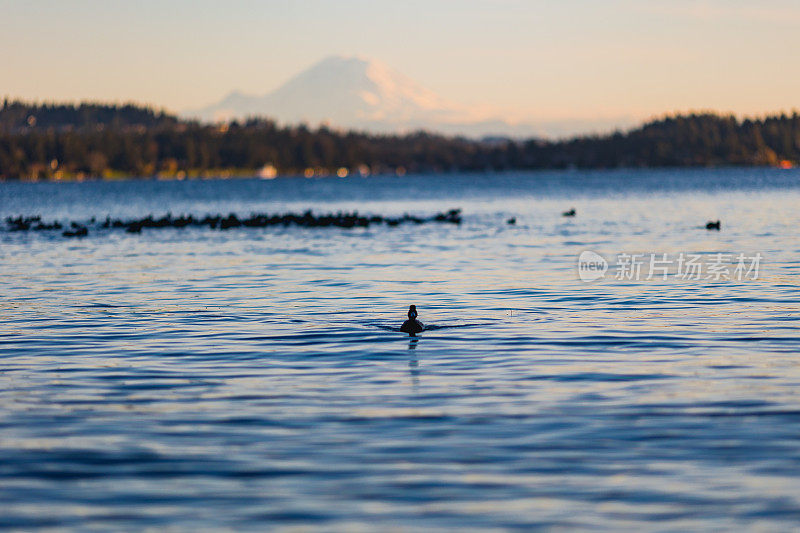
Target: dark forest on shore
63,141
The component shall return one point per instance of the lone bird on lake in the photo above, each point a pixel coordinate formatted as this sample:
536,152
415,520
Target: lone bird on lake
713,225
570,213
412,325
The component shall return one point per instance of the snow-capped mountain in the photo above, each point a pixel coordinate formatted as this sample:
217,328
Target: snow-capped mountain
362,94
348,92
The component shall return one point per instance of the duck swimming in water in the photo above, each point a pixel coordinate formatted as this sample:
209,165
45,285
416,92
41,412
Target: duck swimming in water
412,325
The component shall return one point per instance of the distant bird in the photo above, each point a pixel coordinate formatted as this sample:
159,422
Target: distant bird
77,231
570,213
412,325
713,225
511,221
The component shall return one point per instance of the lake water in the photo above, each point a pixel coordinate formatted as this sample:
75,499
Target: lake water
199,379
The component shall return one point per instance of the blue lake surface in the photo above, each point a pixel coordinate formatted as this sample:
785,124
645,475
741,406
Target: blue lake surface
199,379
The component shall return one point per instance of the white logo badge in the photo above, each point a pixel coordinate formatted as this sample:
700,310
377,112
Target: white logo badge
591,266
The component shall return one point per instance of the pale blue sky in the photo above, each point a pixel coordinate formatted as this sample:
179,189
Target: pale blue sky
548,60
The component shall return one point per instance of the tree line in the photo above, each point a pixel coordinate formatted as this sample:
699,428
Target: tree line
52,141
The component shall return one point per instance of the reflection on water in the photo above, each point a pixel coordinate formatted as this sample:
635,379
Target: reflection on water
413,363
200,379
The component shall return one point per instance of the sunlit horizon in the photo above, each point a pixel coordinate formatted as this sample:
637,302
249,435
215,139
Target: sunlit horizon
584,66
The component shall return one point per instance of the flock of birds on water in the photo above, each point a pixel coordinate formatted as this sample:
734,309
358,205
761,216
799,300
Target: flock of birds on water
307,220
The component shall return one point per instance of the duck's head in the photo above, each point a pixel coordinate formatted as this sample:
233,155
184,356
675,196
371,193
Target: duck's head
412,312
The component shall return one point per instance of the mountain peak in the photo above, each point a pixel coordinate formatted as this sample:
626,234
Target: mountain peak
357,92
347,91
